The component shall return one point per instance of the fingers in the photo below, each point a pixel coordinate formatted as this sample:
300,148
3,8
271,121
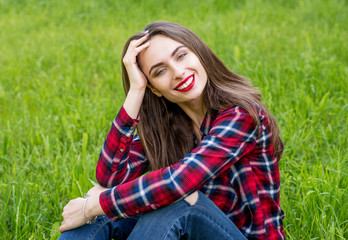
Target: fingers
142,47
134,48
62,228
72,215
137,43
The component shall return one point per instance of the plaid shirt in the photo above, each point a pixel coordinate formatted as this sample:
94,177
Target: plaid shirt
234,165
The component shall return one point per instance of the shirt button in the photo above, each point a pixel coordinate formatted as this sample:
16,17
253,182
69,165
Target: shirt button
121,149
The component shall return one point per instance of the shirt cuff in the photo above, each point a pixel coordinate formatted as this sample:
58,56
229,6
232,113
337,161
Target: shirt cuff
124,123
107,200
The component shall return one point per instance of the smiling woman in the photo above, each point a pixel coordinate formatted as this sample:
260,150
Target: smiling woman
209,146
175,72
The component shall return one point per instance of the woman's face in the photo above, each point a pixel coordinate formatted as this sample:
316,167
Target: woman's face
173,71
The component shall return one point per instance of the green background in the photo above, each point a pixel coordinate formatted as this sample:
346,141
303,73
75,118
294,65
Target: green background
60,88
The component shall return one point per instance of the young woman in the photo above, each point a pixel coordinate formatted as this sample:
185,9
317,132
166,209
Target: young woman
204,161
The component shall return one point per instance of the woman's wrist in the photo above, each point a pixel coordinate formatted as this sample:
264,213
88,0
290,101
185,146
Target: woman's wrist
136,88
88,221
133,101
93,208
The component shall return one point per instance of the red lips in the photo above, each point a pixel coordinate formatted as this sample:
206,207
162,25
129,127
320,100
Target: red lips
187,84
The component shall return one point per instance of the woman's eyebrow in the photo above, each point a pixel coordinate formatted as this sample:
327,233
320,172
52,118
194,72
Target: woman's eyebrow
172,55
176,49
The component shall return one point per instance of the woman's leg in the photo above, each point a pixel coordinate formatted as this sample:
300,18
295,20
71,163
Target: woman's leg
102,229
186,220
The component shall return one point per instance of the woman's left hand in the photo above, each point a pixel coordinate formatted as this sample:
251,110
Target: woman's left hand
73,216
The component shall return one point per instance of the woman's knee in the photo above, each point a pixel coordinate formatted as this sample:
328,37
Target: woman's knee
192,198
103,228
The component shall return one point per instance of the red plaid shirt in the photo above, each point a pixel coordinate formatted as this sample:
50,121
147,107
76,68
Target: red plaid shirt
234,165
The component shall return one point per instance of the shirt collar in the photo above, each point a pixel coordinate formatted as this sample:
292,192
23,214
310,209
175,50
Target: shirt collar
206,124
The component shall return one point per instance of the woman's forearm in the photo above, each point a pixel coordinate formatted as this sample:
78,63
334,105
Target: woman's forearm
133,102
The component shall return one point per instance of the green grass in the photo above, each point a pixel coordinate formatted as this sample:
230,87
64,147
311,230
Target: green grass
60,88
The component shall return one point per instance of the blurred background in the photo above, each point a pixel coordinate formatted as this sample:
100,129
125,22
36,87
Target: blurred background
60,89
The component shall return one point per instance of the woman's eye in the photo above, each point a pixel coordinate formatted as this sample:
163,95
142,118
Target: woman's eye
181,55
159,72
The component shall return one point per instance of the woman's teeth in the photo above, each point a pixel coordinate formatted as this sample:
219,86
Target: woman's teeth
186,84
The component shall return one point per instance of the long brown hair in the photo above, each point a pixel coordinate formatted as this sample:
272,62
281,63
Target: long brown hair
164,128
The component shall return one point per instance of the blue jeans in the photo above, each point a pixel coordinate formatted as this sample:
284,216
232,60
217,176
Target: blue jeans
180,220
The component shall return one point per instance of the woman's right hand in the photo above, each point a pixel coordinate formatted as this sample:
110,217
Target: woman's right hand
137,78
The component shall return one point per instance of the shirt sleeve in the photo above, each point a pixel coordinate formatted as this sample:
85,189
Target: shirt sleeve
231,137
121,158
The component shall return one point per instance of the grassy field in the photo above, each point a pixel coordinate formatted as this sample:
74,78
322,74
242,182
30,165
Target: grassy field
60,88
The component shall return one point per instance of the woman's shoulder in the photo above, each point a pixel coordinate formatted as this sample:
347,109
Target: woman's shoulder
238,113
232,114
238,110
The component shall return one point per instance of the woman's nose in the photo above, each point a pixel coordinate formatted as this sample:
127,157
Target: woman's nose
179,72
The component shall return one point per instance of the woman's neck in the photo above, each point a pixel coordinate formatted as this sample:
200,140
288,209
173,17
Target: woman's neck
196,112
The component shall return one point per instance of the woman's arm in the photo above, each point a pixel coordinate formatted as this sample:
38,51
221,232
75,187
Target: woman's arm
232,136
137,79
114,167
116,157
121,158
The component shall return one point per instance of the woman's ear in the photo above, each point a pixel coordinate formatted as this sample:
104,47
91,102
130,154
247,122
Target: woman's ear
154,90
